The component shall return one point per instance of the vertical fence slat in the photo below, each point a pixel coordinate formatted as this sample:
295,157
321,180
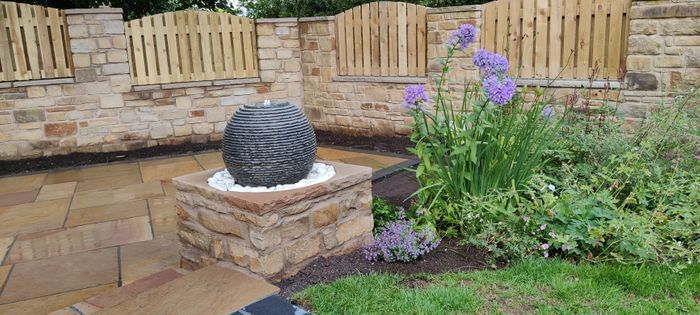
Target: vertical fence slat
228,63
173,52
541,27
366,41
17,46
238,46
555,38
411,37
584,36
357,38
569,39
384,37
149,47
421,47
514,33
161,49
216,31
600,30
30,42
488,25
195,44
137,47
614,42
249,47
393,40
59,46
528,41
7,73
340,38
501,26
42,30
206,44
374,38
183,46
403,45
350,40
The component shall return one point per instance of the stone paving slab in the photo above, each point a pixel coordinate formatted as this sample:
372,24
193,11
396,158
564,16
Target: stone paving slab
33,217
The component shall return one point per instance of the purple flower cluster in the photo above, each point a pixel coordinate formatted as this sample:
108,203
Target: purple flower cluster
462,37
547,112
399,241
500,90
490,63
414,96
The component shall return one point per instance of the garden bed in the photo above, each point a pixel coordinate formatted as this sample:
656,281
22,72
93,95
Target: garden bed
448,257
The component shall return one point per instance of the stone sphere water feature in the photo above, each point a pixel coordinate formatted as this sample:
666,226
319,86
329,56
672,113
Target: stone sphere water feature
268,144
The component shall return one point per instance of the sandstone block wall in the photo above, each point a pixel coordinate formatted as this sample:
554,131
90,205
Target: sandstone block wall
99,110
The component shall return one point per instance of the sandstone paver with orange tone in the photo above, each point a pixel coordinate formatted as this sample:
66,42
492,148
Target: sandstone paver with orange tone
69,234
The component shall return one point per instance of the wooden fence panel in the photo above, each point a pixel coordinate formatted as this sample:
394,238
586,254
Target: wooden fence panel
33,43
190,45
382,39
566,39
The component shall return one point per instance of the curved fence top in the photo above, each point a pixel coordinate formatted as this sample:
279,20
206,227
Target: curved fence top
191,45
382,39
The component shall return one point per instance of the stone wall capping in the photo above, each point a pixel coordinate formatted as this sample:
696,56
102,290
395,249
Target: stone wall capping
181,85
370,79
94,11
263,202
461,8
236,81
42,82
561,83
666,10
4,85
278,20
317,18
149,87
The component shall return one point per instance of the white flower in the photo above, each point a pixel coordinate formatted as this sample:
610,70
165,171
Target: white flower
552,188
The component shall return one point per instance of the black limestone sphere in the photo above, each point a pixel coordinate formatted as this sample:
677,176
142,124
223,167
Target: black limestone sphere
268,144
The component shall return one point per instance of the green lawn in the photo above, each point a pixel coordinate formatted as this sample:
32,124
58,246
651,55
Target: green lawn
533,286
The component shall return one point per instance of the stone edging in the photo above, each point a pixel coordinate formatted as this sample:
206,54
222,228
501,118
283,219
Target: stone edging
277,20
37,82
461,8
561,83
666,11
405,80
317,18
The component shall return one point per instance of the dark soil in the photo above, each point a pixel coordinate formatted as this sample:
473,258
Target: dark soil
396,188
375,143
448,257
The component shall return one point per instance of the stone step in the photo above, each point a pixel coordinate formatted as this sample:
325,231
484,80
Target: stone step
122,294
214,289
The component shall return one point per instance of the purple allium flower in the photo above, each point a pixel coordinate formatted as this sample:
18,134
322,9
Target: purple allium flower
500,91
465,35
490,63
546,254
545,246
543,226
552,234
548,112
399,241
414,95
526,219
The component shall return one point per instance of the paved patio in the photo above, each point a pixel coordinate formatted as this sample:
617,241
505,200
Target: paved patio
67,235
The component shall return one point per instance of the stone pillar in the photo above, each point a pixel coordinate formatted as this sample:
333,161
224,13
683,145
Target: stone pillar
663,55
273,234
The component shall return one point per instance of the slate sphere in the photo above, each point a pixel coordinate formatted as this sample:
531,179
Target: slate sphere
269,144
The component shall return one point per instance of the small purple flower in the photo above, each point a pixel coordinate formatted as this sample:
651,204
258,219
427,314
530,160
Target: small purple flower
399,241
552,234
543,226
465,35
500,90
546,254
526,219
414,96
490,63
545,246
547,112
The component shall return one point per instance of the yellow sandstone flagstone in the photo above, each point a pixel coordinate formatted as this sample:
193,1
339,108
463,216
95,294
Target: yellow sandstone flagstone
85,199
79,239
210,160
122,210
163,215
142,259
210,290
61,274
56,191
110,182
5,243
91,172
165,169
21,183
33,217
44,305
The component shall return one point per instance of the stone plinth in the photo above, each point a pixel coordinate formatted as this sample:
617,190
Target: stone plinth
273,234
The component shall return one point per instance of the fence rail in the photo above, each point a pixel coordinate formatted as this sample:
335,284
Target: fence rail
191,46
382,39
565,38
33,43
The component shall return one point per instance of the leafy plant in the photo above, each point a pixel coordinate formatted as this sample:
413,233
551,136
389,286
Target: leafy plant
400,241
383,212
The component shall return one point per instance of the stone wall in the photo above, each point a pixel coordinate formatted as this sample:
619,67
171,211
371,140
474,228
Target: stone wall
99,110
663,58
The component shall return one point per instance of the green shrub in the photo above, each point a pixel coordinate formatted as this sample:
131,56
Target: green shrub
383,212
